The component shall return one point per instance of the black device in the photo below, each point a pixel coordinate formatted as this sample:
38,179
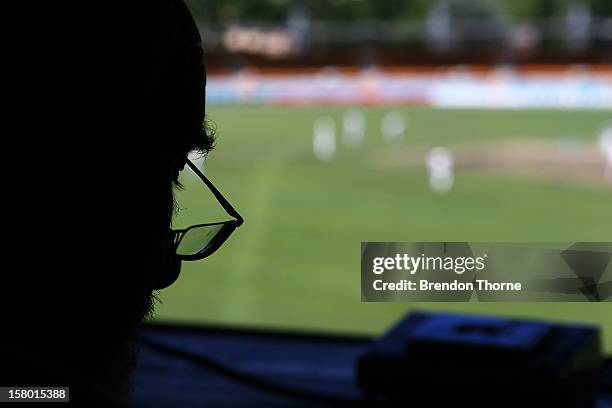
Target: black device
438,359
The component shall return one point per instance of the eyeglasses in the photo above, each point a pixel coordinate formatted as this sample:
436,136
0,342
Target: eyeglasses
202,240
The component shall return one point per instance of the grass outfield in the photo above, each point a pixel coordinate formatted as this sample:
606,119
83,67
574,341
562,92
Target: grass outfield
295,262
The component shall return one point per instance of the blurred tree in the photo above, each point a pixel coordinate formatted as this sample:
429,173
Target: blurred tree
275,11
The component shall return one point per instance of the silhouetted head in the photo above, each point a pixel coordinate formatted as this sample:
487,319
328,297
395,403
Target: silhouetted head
104,135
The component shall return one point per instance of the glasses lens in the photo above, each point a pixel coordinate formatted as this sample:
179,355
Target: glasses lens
198,239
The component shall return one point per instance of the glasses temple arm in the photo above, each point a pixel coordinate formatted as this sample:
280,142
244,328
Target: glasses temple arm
224,203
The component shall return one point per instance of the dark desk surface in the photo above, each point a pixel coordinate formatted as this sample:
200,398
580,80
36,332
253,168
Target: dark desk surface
321,364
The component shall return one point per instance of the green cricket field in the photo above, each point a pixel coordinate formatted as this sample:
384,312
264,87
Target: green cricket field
519,175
